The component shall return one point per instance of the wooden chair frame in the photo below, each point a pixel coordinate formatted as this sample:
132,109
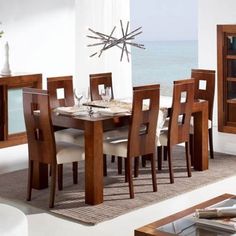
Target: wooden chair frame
208,77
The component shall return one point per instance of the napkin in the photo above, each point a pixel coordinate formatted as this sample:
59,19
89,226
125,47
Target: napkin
113,111
69,110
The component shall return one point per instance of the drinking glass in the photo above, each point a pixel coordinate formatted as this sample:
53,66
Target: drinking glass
78,96
106,94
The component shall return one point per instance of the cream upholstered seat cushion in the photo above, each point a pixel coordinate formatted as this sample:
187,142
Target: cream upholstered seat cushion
120,133
162,138
70,135
13,222
192,125
69,152
116,147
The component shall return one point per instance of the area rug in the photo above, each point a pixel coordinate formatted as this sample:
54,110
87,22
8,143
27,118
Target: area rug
69,203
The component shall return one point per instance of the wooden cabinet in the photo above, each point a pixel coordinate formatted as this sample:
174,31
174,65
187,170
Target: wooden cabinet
226,69
12,131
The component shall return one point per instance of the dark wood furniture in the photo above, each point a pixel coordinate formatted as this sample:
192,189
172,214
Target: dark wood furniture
93,132
205,89
152,228
7,83
61,82
226,71
141,135
42,147
179,124
105,80
101,79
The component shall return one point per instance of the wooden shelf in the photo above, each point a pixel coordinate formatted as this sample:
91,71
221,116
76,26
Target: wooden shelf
232,100
13,81
231,57
231,79
226,71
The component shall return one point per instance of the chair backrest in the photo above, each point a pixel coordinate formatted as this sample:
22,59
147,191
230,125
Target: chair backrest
205,87
40,135
61,91
142,131
180,115
97,80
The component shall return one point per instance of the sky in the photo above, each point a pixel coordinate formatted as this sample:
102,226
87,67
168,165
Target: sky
165,19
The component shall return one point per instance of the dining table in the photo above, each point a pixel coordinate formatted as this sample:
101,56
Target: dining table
94,125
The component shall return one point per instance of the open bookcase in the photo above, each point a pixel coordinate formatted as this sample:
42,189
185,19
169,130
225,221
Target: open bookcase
226,69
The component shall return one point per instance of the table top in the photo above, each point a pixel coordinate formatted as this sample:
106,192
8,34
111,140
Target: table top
180,220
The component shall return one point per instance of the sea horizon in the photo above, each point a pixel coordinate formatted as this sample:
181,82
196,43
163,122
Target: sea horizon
164,61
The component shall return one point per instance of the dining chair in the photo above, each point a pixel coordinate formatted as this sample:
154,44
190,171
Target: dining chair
205,89
179,124
142,132
103,80
42,147
98,81
61,95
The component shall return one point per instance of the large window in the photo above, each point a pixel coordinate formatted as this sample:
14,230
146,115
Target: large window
170,38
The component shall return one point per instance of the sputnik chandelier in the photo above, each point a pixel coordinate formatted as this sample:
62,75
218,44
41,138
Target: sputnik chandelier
109,41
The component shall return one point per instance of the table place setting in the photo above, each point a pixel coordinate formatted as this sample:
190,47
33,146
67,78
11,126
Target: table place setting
71,111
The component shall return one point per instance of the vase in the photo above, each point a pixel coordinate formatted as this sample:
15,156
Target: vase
6,66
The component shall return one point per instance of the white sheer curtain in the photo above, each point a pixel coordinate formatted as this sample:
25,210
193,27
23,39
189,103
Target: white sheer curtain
102,16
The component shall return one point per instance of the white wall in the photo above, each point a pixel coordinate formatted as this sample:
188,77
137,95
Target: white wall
101,16
41,35
49,37
211,13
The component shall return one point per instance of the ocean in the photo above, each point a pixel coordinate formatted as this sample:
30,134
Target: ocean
163,62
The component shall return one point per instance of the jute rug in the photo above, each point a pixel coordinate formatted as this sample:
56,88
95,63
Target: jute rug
70,201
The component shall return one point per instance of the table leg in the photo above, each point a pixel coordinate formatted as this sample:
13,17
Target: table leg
200,155
93,162
40,176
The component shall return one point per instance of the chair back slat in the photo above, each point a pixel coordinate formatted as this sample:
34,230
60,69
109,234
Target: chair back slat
37,114
182,103
65,84
97,80
142,132
205,87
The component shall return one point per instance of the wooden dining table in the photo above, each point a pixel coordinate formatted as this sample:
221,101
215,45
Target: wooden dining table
95,125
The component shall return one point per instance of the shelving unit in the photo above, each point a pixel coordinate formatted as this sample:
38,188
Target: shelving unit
226,69
11,106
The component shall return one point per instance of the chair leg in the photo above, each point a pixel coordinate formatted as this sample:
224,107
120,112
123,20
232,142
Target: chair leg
129,177
119,165
165,153
136,166
153,169
169,155
53,186
113,158
211,143
75,172
188,159
60,176
143,161
104,165
159,157
191,145
126,171
30,177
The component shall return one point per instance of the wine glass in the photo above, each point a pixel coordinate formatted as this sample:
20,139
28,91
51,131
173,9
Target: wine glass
78,96
106,94
87,97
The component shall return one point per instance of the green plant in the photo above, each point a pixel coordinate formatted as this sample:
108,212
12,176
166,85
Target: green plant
1,32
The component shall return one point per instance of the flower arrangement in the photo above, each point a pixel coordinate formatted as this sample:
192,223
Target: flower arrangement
1,32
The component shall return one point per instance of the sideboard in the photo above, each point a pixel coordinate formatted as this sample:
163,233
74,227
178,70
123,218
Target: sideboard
12,130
